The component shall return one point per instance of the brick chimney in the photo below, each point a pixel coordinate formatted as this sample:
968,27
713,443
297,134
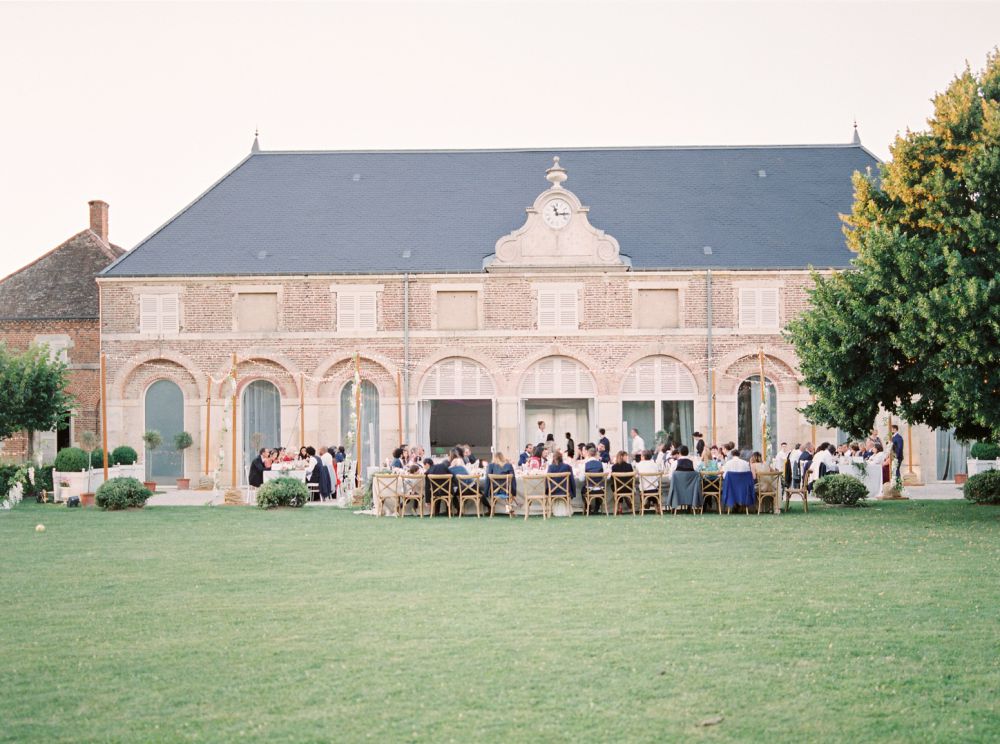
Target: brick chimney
99,218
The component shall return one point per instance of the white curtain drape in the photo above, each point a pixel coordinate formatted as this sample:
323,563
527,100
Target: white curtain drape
261,417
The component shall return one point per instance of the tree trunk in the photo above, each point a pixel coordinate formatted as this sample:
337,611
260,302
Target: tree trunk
31,445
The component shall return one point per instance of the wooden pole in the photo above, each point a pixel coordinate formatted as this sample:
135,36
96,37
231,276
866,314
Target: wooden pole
399,404
909,448
888,445
302,410
104,412
208,425
715,431
357,409
812,436
763,409
235,482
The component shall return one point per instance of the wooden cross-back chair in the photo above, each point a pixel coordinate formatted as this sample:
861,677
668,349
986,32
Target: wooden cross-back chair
595,486
468,490
385,486
500,488
768,487
711,488
534,491
440,492
412,488
560,488
622,489
799,487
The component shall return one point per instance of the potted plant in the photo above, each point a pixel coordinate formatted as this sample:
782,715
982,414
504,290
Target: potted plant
153,440
182,441
88,441
982,457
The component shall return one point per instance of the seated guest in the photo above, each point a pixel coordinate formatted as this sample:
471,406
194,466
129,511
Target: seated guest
602,452
525,455
756,463
661,456
339,457
822,462
267,457
457,464
622,464
649,472
683,461
735,464
470,459
500,466
558,466
592,463
317,473
581,450
256,475
433,468
397,459
537,457
303,454
710,462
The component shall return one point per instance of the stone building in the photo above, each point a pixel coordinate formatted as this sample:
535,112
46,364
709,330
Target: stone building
53,301
482,291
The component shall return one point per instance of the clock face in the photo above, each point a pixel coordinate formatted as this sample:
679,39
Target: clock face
556,213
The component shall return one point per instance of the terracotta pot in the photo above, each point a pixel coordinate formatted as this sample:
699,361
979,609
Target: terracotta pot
86,499
960,478
183,484
151,485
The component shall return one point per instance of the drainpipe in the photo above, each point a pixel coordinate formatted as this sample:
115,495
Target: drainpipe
406,356
711,369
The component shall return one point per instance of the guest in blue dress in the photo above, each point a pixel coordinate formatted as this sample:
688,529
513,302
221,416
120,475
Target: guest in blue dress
500,466
558,466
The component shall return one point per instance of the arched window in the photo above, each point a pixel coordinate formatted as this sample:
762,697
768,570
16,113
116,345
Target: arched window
748,405
658,400
370,451
557,377
456,378
164,412
261,419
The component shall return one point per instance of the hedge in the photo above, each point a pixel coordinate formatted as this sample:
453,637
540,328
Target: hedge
983,488
282,492
840,489
122,493
71,460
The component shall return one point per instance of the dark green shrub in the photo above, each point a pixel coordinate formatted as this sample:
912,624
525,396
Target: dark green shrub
8,477
71,460
840,489
97,458
282,492
122,493
983,488
124,455
984,451
43,482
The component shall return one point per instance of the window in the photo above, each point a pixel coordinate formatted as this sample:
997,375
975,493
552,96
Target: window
257,311
159,314
657,308
759,307
557,308
457,310
356,311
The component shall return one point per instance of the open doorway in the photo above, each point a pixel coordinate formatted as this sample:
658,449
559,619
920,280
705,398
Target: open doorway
561,416
461,422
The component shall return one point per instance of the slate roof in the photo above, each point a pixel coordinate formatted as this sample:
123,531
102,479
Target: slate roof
356,212
60,285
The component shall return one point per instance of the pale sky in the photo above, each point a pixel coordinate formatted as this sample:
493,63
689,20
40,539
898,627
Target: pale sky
146,105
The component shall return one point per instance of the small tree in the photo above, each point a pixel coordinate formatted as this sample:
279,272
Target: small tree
89,441
33,393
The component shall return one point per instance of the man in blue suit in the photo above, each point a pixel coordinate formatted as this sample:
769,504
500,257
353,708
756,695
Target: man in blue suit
897,447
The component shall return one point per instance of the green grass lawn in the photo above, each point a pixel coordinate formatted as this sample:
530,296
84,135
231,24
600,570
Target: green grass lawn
219,624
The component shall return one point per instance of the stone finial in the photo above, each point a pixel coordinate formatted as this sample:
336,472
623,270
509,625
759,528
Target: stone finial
856,139
556,174
255,147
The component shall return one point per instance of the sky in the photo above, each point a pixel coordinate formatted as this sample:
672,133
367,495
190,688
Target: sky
145,105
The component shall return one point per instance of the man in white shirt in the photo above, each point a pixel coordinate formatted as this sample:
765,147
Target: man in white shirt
735,464
780,457
327,459
542,434
648,472
638,445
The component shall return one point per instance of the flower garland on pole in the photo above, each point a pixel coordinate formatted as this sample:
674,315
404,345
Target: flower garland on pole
220,460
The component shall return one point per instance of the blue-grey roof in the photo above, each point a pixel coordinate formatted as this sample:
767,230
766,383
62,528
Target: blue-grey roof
356,212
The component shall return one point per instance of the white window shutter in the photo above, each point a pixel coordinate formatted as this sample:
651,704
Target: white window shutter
149,314
367,318
567,309
548,316
768,307
170,316
749,308
347,312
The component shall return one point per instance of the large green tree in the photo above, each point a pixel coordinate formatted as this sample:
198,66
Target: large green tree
33,392
914,327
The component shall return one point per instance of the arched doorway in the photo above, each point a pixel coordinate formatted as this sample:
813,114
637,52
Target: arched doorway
658,396
456,407
370,450
559,391
261,406
748,410
164,413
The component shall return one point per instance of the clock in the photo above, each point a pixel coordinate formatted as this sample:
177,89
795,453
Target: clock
556,213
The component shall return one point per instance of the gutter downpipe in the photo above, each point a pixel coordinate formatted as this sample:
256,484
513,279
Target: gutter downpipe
711,368
406,356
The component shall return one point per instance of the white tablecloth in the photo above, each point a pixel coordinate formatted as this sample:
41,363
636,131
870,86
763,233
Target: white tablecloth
872,481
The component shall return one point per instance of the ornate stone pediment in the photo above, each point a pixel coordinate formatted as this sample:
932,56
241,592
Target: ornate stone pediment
556,235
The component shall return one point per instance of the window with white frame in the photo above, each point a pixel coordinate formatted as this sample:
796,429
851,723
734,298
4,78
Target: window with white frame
159,314
759,307
356,311
557,308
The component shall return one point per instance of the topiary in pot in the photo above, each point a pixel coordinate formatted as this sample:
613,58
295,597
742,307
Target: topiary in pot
985,451
124,455
182,441
153,439
983,488
282,492
844,490
122,493
71,460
